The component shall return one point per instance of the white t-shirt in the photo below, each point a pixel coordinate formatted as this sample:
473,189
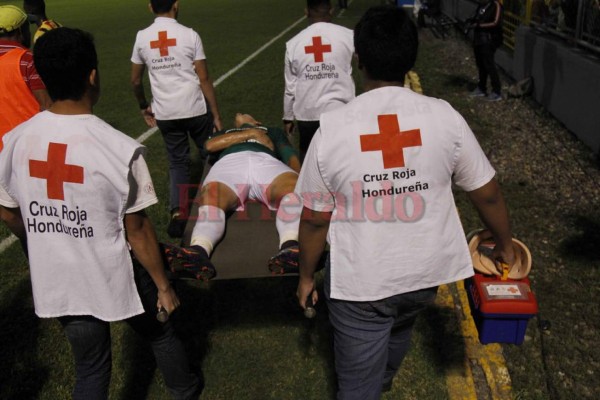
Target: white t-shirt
318,71
74,178
395,227
169,49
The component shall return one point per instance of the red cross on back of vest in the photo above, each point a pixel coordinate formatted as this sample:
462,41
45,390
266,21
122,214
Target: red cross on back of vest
317,48
56,171
163,43
390,141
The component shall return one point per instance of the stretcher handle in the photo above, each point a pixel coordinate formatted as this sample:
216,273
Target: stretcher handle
162,315
309,311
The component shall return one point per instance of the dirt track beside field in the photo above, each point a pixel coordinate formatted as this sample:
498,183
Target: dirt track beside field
552,185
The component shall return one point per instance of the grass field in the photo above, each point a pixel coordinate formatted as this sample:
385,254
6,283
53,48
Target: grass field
248,336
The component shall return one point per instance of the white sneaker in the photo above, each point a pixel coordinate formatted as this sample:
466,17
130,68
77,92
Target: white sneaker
477,93
493,97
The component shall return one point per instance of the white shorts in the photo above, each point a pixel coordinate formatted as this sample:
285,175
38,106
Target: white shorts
248,174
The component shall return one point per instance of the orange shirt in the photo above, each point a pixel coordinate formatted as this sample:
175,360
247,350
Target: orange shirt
17,103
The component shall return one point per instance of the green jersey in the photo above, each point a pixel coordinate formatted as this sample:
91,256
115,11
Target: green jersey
283,148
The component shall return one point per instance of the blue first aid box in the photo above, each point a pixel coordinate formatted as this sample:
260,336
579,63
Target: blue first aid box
500,309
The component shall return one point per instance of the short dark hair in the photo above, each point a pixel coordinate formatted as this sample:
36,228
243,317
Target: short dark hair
35,7
386,43
162,6
64,58
318,7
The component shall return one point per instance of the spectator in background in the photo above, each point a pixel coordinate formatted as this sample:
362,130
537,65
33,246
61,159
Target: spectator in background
183,97
82,188
397,165
22,92
569,14
487,37
318,72
36,13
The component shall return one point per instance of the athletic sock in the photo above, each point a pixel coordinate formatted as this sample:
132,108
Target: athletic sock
287,220
209,228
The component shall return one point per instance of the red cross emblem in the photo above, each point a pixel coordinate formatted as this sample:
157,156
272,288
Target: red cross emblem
391,141
163,43
55,171
317,48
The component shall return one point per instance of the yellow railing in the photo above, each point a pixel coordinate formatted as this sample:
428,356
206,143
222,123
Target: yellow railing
579,23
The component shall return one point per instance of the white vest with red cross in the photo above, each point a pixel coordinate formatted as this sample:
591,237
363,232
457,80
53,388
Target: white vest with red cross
169,49
318,71
69,175
386,162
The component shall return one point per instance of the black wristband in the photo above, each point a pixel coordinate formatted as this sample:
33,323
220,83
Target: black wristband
144,105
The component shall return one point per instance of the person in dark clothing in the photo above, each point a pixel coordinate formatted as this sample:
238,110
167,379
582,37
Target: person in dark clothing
487,37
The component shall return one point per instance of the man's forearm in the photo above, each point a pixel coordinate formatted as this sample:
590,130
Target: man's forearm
489,202
144,244
140,95
14,221
208,90
312,238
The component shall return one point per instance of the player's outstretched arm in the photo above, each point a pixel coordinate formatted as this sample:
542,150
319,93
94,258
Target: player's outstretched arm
221,142
142,238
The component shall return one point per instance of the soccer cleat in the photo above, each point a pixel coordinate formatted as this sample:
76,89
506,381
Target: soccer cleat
176,225
189,262
285,262
477,93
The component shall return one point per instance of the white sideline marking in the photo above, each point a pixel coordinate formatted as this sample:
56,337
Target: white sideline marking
144,136
343,9
6,243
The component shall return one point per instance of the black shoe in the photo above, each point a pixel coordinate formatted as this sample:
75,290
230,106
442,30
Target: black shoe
189,262
176,224
286,261
386,386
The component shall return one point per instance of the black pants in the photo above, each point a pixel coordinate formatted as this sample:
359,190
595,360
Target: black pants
91,345
486,66
306,130
175,134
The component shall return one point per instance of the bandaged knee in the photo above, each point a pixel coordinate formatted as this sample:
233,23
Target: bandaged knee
287,220
209,228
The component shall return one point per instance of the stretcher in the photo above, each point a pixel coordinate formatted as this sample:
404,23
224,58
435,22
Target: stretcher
249,241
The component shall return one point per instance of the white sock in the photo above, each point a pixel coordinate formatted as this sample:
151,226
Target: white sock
287,220
209,227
